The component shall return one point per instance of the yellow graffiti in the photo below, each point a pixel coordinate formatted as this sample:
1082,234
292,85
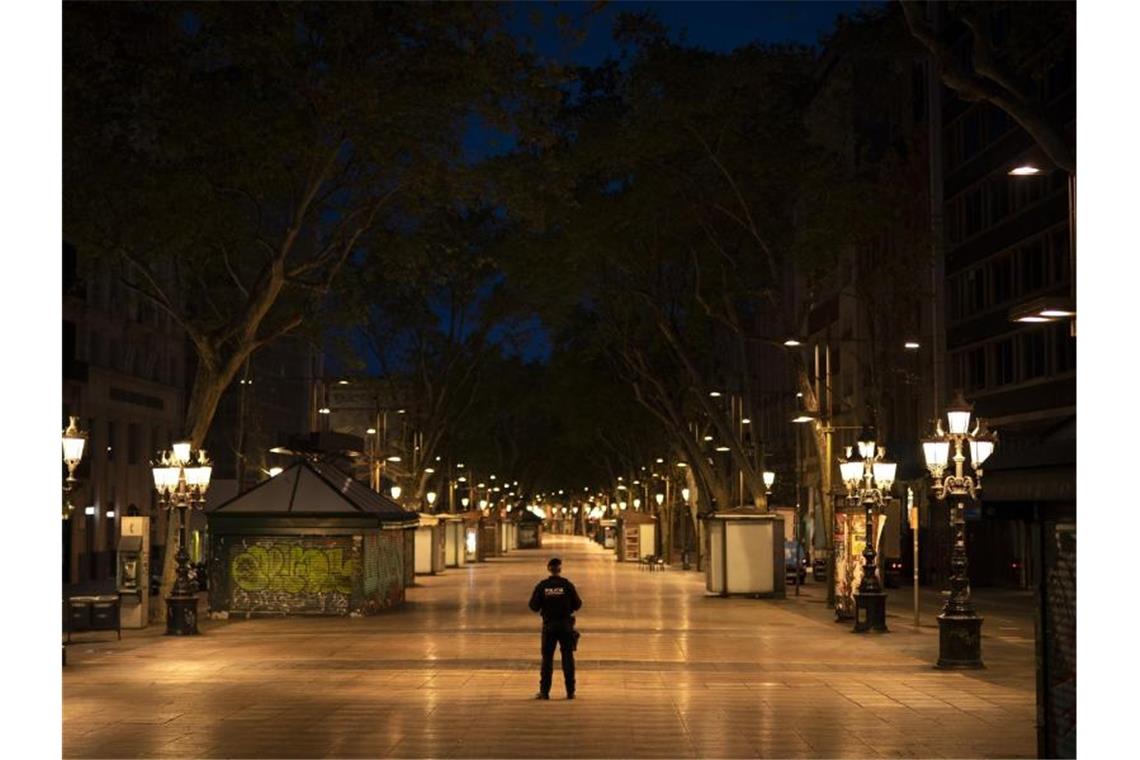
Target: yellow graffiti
292,569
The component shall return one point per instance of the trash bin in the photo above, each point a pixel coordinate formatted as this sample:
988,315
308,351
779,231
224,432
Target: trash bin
79,614
93,613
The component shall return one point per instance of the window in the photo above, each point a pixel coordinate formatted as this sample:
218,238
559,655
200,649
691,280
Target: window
958,370
952,150
1026,191
1003,363
1064,347
1032,354
954,220
1059,78
954,298
976,368
974,291
1032,258
1001,279
1059,252
974,215
998,197
133,443
110,441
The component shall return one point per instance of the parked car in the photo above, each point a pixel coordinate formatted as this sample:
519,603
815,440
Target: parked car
819,570
795,562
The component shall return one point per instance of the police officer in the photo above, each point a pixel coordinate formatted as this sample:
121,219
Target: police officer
557,600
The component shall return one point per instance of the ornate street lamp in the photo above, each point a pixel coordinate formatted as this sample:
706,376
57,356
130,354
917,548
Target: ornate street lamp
769,480
74,440
869,479
959,627
181,477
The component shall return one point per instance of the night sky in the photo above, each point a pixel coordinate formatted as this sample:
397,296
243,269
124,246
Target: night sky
713,25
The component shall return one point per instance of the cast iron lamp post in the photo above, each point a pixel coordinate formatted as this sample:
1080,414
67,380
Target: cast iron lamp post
181,478
959,627
868,479
74,440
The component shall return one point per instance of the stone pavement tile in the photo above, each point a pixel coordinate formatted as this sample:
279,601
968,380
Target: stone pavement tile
669,673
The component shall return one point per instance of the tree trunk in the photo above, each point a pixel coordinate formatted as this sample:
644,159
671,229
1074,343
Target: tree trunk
205,395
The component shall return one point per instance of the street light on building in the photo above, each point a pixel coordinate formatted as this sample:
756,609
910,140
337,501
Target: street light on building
769,480
868,479
181,477
396,491
959,627
1053,308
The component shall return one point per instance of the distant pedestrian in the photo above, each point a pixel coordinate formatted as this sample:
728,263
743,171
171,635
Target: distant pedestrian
557,600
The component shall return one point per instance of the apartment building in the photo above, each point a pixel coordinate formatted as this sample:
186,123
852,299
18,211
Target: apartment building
1007,242
124,378
869,332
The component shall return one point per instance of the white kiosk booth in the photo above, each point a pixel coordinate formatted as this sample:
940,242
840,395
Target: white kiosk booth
637,536
745,550
454,536
429,545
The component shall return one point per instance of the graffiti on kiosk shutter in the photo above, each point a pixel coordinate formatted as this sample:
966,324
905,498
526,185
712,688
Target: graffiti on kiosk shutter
371,564
391,564
293,574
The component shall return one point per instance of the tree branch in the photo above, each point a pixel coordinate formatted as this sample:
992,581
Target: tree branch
1027,113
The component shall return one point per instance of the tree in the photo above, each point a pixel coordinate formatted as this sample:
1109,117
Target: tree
234,158
1011,49
425,309
674,168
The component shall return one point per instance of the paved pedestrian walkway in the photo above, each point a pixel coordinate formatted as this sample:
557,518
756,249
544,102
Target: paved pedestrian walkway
663,671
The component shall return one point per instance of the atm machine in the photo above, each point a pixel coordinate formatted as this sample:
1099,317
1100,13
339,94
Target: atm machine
132,571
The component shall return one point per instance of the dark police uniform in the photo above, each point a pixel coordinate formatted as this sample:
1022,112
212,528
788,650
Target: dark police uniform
557,600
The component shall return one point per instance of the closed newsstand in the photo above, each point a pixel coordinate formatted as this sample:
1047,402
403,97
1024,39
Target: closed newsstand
308,541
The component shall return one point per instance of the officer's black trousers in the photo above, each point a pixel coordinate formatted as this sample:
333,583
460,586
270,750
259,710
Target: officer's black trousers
562,634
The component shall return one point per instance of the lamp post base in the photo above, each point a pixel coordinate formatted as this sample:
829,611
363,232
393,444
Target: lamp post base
959,642
870,612
182,616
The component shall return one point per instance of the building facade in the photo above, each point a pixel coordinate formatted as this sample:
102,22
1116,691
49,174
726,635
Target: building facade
1007,242
124,378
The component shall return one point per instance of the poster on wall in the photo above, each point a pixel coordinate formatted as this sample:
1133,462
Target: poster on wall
850,541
